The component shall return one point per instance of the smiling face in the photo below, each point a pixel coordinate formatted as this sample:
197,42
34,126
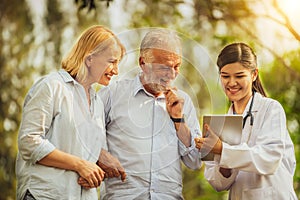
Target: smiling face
159,70
237,82
104,65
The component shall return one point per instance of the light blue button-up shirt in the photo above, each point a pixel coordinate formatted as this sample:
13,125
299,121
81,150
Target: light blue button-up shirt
56,114
142,136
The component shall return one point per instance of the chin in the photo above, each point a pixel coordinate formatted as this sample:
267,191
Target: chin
104,80
232,97
105,83
160,88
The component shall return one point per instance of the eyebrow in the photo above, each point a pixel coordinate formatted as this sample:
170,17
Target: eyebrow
238,73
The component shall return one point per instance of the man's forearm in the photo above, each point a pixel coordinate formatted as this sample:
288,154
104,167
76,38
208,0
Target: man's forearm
183,133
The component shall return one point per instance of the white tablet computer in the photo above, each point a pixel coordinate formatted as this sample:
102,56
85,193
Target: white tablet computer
227,127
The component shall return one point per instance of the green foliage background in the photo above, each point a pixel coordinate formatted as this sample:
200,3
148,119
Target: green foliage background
32,44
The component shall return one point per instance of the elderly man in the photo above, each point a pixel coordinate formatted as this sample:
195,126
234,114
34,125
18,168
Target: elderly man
150,125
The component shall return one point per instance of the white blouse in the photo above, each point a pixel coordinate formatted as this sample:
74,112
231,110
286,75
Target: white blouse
56,115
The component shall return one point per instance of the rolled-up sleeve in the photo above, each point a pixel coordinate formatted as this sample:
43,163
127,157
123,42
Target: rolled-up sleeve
36,120
191,157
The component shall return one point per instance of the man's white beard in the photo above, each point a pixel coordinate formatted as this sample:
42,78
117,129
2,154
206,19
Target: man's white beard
155,85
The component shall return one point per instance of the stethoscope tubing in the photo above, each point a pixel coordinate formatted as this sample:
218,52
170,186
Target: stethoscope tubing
249,113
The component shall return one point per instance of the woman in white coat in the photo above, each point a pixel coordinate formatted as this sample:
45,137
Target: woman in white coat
263,164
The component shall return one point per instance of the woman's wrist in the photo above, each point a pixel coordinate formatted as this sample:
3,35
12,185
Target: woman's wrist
218,147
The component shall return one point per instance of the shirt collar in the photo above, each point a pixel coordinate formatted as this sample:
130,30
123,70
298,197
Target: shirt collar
66,76
256,103
137,85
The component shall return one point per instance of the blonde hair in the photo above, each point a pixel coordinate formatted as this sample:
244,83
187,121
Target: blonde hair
93,40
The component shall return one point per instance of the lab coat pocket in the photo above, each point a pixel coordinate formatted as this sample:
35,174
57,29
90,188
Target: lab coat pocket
258,193
252,136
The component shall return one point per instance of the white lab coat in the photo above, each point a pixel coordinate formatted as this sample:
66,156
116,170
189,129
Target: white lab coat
263,164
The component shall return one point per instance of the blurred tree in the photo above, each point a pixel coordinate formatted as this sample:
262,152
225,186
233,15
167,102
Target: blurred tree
90,4
14,39
32,43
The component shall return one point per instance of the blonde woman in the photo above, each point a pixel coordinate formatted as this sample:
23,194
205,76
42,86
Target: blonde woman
63,122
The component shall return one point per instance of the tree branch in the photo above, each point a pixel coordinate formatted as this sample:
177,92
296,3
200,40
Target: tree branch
287,22
293,72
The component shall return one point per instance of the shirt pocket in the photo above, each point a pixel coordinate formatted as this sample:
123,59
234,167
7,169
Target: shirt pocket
259,193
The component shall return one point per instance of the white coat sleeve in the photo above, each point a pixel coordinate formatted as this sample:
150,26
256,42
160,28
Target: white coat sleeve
264,156
215,178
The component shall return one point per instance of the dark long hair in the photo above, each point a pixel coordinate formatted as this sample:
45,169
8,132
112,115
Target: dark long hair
242,53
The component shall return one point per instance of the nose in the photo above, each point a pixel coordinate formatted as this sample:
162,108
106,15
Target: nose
172,73
115,69
232,81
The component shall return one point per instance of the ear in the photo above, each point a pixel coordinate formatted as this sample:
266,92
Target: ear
254,75
88,61
142,63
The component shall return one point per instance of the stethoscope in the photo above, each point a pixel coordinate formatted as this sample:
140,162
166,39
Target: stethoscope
249,113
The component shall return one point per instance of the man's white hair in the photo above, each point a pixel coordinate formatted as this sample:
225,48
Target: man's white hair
162,39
